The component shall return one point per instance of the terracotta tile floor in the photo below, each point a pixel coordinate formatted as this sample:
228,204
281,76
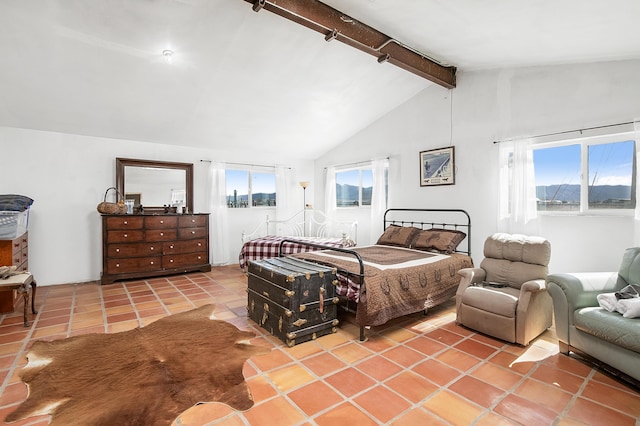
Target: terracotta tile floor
416,370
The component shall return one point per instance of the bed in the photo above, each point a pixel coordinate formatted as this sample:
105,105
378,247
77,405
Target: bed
302,231
412,267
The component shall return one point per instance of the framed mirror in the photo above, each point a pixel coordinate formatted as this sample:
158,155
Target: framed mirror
155,184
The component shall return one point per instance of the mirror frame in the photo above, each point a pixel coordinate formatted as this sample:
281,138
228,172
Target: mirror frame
121,163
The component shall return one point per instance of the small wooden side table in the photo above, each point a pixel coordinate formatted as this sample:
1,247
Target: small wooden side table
21,283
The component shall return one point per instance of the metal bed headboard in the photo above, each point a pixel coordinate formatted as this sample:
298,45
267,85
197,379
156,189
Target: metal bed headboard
455,219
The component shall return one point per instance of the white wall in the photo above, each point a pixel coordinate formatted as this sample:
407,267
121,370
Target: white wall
493,105
67,176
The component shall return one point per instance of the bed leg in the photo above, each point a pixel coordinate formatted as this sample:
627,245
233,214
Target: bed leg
425,312
362,338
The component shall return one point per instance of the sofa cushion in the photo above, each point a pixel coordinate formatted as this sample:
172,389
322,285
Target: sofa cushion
609,326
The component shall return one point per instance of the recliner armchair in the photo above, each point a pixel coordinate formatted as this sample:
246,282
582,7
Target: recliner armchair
506,296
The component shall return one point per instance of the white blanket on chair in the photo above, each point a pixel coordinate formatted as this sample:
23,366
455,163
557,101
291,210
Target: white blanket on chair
629,308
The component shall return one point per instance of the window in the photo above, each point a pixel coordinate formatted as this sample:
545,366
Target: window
586,175
246,188
354,187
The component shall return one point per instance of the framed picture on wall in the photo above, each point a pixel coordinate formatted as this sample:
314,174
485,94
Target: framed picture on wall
437,167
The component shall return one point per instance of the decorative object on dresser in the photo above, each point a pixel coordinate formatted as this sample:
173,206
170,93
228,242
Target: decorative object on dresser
147,245
107,207
292,299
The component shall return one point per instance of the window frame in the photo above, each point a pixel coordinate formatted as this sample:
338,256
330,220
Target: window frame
584,143
368,166
250,171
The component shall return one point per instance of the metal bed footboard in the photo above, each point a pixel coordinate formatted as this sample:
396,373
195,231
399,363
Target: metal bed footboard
347,274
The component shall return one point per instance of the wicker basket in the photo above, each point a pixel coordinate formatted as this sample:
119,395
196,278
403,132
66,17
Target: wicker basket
118,207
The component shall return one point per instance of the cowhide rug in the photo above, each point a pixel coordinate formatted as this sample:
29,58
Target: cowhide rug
145,376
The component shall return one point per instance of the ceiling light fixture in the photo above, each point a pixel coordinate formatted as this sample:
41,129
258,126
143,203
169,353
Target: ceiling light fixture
168,55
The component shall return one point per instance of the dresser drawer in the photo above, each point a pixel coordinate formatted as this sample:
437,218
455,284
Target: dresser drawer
134,250
16,246
187,246
132,236
124,222
155,235
24,255
181,260
191,233
134,264
160,222
192,221
149,245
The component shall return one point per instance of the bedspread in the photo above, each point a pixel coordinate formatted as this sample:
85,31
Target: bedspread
267,247
397,281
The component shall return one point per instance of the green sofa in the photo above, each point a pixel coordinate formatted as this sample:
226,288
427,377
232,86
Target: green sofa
582,326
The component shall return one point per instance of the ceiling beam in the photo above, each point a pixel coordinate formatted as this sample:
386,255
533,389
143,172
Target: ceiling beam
335,25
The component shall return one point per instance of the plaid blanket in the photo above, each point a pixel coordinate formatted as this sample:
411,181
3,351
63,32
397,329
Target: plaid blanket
267,247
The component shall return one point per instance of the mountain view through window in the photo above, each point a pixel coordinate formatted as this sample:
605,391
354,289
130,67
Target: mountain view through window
609,168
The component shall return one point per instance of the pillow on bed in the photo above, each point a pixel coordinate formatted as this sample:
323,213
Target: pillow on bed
400,236
437,239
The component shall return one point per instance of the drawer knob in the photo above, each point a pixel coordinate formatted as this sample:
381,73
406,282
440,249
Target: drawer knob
193,221
117,265
126,235
151,248
151,262
162,221
199,244
162,234
199,257
193,232
171,261
117,250
171,246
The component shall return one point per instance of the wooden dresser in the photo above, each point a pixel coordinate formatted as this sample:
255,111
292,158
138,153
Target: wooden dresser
147,245
13,252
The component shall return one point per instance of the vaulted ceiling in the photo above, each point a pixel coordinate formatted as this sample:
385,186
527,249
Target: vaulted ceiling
257,81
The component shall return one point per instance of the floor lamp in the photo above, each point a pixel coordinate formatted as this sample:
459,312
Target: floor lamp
304,185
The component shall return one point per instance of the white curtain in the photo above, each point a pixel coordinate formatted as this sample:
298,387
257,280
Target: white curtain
219,235
518,209
285,199
636,136
378,198
330,194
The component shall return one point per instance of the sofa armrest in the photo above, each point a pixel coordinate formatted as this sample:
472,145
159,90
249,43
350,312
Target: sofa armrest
574,291
581,289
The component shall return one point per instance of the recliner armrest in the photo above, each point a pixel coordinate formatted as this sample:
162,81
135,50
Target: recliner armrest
533,286
469,276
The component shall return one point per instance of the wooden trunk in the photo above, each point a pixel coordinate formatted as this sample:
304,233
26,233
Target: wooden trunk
292,299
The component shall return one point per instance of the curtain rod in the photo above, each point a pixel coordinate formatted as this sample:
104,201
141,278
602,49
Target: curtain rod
358,163
244,164
569,131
